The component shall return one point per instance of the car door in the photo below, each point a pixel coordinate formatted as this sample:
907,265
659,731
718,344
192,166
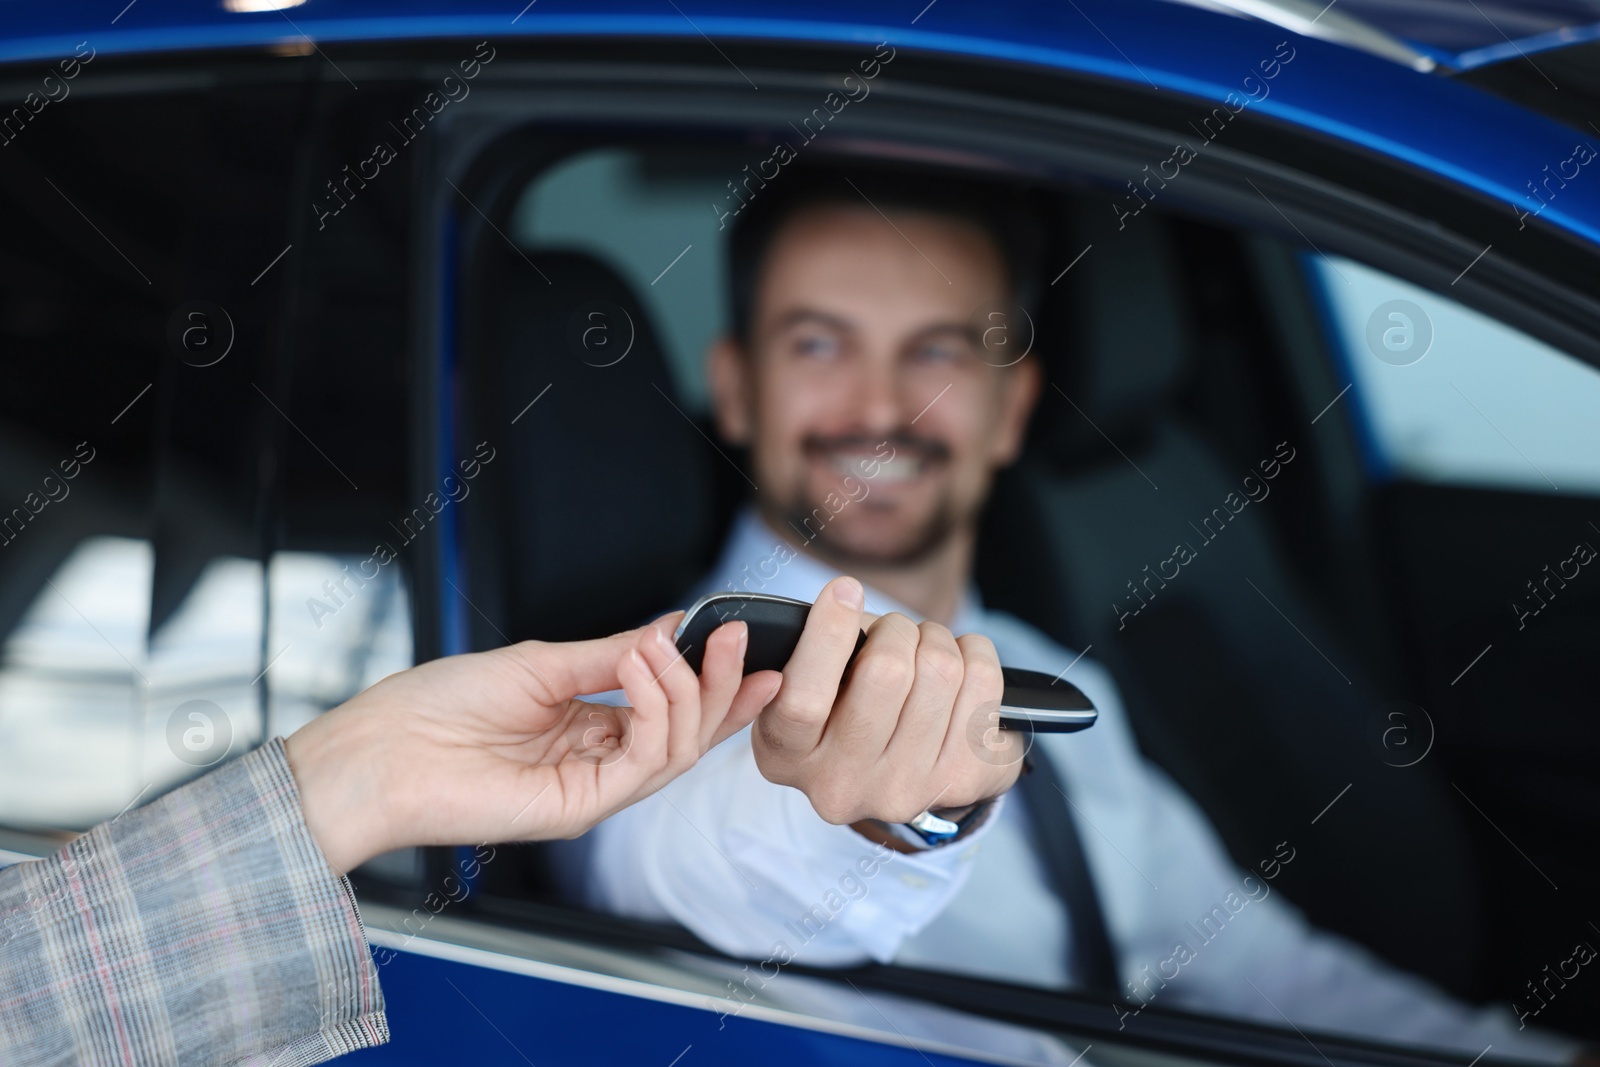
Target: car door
1289,184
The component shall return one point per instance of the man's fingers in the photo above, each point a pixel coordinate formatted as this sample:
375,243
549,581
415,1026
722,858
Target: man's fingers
994,769
755,692
925,719
869,706
793,722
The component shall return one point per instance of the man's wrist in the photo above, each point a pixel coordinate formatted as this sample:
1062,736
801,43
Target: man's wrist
930,830
957,814
878,833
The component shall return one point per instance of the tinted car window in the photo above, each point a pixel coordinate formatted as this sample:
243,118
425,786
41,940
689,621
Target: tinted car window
339,623
83,350
168,516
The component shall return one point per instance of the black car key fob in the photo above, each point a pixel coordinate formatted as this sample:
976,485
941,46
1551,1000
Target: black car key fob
1032,701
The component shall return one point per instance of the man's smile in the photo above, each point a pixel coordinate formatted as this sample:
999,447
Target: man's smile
900,470
898,459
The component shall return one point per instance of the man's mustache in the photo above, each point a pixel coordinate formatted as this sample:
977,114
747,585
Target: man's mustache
900,443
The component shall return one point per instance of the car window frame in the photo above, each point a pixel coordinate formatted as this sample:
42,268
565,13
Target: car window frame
1111,129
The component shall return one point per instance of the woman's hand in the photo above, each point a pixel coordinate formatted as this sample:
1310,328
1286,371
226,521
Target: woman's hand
494,746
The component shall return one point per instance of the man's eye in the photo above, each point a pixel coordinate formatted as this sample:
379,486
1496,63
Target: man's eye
816,346
943,352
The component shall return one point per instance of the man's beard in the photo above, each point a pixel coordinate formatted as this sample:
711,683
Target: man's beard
821,528
917,545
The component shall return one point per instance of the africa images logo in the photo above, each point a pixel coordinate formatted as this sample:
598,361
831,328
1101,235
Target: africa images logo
1399,332
199,732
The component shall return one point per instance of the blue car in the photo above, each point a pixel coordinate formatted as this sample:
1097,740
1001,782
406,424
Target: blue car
372,332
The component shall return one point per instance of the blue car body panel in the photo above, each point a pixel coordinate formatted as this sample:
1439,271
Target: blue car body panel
448,1011
1427,121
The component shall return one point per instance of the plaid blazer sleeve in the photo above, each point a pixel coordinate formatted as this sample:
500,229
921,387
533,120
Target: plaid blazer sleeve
203,928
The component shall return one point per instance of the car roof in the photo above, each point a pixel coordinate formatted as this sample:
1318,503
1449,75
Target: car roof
1439,125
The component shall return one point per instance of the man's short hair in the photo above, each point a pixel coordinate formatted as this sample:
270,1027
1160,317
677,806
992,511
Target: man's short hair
1006,213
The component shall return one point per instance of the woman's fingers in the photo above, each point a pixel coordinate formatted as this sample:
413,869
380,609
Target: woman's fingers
645,736
559,671
673,716
682,688
721,672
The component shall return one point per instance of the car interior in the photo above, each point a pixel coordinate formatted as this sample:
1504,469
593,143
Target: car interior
1192,353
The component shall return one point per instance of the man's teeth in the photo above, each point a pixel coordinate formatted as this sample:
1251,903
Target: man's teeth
899,469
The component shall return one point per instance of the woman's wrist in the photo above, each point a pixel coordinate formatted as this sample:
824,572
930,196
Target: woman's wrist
338,767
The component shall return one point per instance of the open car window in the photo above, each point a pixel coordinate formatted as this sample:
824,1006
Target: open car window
1189,362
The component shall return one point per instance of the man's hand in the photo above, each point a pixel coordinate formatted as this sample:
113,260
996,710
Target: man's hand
892,740
493,746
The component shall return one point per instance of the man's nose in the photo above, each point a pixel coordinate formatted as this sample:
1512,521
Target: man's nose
879,396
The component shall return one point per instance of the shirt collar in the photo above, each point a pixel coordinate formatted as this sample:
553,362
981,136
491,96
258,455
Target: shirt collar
756,560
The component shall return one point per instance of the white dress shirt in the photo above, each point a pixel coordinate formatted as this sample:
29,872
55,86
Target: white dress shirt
750,868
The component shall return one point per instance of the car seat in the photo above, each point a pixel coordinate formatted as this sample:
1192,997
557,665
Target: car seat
1231,677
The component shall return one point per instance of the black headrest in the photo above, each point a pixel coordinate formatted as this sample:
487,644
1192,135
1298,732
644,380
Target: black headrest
1120,318
605,501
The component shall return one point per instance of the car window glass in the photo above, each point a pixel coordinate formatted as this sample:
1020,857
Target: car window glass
339,623
1453,396
69,688
96,711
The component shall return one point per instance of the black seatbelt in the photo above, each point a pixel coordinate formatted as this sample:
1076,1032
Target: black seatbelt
1056,834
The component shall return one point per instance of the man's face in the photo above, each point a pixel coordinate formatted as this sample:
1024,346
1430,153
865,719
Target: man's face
866,343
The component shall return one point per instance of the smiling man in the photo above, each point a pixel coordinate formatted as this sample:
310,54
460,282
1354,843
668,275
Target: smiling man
864,373
823,289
